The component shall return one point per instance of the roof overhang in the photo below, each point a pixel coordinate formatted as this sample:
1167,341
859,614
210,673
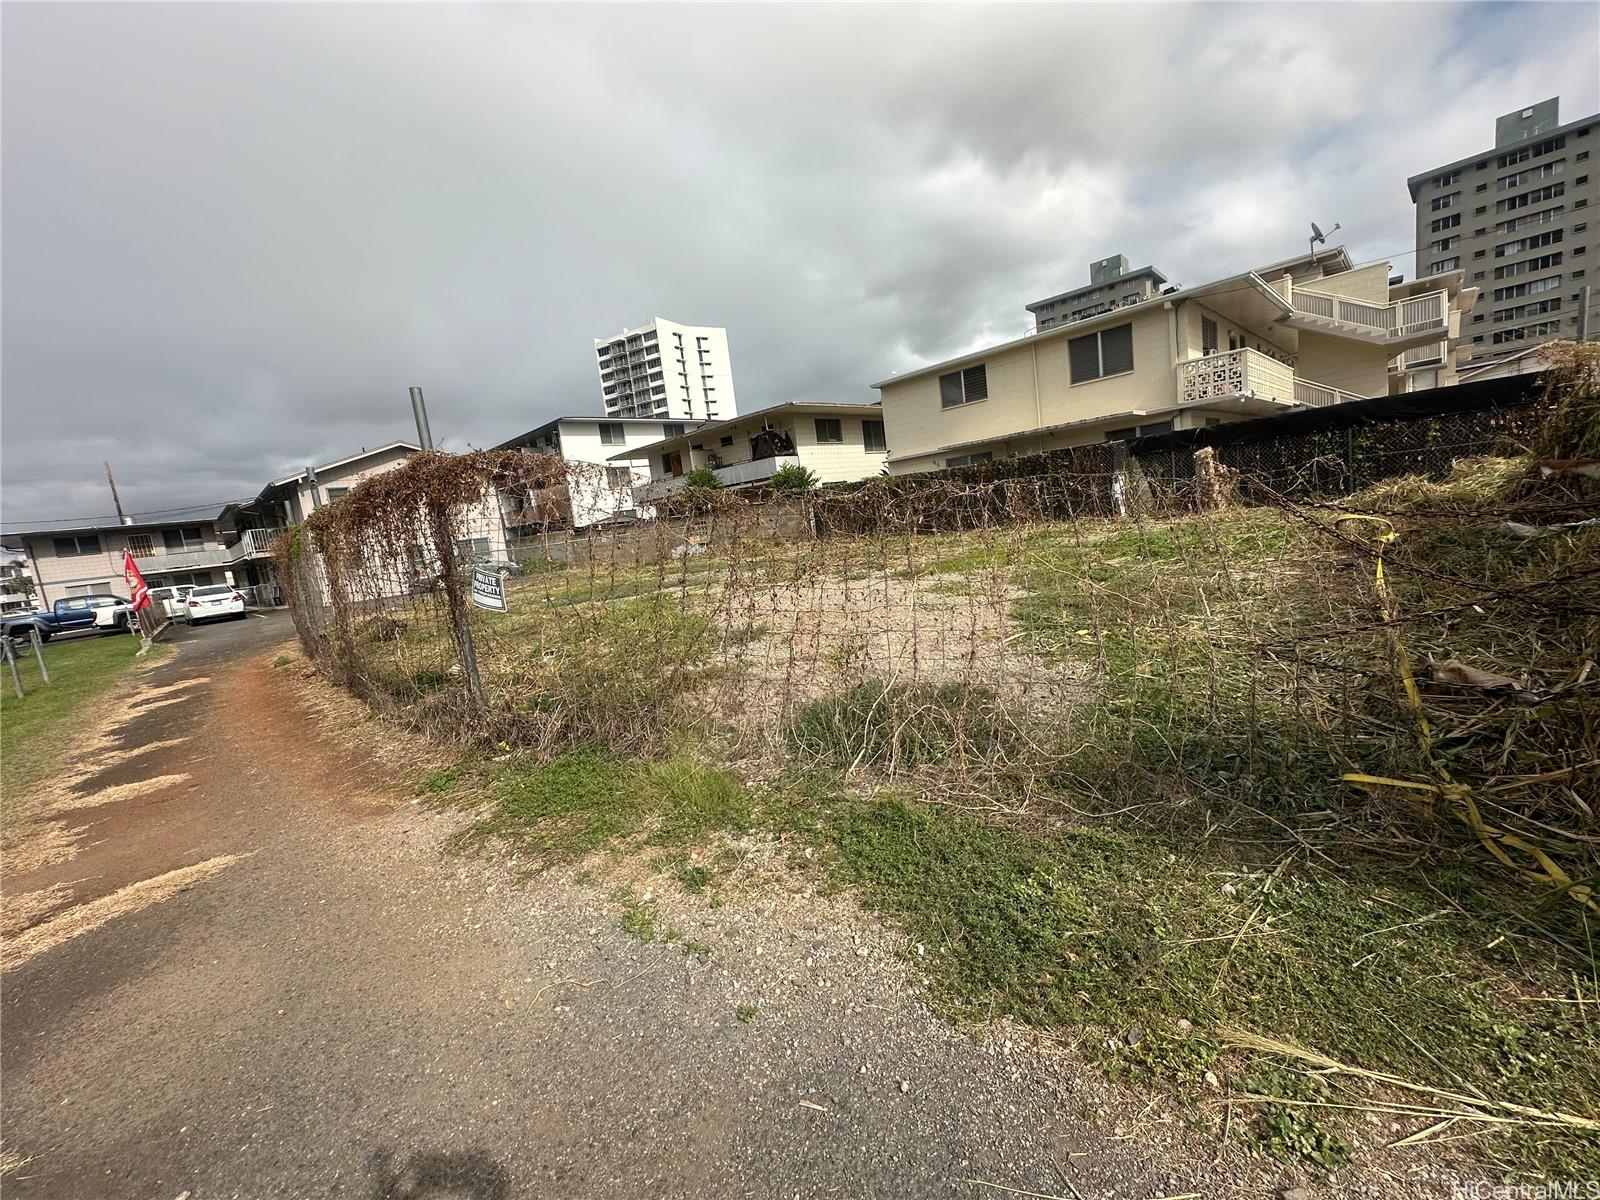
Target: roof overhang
799,408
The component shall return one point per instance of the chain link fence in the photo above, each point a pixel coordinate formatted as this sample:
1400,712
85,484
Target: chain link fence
1119,631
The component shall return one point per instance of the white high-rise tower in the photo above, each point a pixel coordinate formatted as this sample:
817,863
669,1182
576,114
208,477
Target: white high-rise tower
667,370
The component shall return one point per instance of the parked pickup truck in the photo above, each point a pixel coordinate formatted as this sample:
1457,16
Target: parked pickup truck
75,614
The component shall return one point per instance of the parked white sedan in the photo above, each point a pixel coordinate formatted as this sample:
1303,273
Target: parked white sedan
213,603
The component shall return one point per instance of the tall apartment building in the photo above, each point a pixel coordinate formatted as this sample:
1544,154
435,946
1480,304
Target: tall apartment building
667,371
1517,220
1111,285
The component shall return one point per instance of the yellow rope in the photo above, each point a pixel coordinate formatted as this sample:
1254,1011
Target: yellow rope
1456,795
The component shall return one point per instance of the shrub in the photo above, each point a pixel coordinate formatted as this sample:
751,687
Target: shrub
792,477
702,477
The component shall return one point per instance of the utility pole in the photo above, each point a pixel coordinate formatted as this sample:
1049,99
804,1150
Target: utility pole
115,499
419,410
1583,313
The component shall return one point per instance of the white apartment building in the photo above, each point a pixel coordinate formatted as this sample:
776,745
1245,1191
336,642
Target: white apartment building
600,485
835,442
667,371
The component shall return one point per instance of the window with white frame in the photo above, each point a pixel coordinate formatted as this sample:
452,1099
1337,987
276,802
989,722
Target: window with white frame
1098,355
964,387
613,433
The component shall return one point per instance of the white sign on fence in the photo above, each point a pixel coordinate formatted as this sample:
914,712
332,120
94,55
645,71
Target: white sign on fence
488,589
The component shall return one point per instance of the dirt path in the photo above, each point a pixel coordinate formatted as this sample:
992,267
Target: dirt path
294,994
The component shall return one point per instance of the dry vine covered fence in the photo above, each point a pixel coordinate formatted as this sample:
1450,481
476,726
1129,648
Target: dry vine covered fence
1086,636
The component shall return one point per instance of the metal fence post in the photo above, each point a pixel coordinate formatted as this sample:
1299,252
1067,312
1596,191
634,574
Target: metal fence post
38,651
11,661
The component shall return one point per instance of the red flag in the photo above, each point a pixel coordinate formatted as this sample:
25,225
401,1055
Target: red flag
138,590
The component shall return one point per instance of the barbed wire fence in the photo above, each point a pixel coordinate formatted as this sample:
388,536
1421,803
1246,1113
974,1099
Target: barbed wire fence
1109,633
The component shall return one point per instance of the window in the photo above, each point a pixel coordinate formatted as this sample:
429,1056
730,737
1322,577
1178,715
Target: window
69,547
1532,242
830,429
1538,195
726,440
1440,203
873,437
672,429
1446,264
472,549
1480,210
1477,254
1448,179
1149,429
1531,175
1097,355
964,387
1442,223
1528,266
1529,221
186,538
1526,332
1443,244
141,545
335,493
612,433
967,460
80,590
1208,336
1524,153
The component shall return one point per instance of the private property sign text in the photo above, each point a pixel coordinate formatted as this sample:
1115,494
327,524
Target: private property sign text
488,589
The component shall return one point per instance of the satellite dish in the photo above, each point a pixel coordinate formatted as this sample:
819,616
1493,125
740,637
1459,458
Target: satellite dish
1318,236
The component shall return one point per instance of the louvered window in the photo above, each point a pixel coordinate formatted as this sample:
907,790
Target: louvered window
1096,355
964,387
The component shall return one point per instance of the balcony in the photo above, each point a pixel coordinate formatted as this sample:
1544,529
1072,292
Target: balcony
732,475
161,560
1411,321
1261,382
1235,375
253,543
1431,355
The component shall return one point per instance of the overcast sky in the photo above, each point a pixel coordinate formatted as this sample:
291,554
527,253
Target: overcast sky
234,235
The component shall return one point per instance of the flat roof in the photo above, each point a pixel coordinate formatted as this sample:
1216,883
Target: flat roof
513,443
1414,184
176,516
796,406
1095,287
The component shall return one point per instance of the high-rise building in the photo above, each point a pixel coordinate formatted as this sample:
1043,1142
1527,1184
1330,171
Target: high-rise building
1111,285
664,370
1516,219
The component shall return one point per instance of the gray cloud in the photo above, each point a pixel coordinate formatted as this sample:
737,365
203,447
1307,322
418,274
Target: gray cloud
234,235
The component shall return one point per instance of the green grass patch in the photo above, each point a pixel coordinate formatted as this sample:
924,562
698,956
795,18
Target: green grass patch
1117,931
897,726
587,800
37,729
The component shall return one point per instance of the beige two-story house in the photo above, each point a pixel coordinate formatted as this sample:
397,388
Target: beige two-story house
1305,332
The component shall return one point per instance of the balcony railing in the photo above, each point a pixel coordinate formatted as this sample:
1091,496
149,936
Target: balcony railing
1235,373
1429,355
1320,395
1403,319
252,542
732,475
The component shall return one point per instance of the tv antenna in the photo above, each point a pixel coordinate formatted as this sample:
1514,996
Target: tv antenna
1318,236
